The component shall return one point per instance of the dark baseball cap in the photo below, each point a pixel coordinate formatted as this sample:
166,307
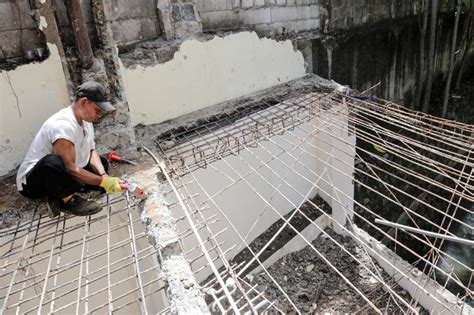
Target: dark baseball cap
96,93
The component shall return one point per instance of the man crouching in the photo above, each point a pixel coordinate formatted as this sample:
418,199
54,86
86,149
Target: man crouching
62,159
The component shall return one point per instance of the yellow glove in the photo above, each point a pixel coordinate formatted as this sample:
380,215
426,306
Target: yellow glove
111,184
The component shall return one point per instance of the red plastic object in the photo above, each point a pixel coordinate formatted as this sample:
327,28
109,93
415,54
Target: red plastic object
114,157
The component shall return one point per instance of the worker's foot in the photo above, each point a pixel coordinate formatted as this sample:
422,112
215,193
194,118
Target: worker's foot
75,206
54,207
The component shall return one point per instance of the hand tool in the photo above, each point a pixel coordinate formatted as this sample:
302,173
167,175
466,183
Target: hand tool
135,190
114,157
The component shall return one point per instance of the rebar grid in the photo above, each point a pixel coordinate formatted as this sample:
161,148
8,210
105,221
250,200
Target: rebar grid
285,133
100,263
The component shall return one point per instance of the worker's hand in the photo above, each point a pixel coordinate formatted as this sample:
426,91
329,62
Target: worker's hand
111,184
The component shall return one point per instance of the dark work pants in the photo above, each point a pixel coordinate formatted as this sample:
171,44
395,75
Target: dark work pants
49,178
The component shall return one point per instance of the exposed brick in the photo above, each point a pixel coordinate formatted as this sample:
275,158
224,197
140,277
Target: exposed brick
247,4
305,25
235,4
307,2
257,16
29,40
214,5
259,3
126,30
149,28
214,20
15,16
284,14
126,9
308,12
281,2
273,28
9,21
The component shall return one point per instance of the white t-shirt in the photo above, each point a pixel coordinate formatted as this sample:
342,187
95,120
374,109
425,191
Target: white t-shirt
62,125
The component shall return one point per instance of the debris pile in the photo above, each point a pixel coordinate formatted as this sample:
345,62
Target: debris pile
314,287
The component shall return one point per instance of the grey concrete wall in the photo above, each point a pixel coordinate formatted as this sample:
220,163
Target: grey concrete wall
265,16
138,20
133,20
343,14
385,52
18,31
130,20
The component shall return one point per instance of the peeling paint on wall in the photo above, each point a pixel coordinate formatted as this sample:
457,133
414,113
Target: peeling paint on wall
202,74
29,95
43,24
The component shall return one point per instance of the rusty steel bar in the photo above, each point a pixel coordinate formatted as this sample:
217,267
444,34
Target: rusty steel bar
79,30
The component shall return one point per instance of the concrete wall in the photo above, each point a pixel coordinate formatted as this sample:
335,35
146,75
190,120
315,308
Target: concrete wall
202,74
29,95
18,31
268,16
343,14
130,20
387,53
133,20
138,20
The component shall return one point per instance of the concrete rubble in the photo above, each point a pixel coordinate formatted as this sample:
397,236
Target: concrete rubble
316,288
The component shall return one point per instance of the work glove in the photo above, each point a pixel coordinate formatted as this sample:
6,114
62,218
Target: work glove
111,184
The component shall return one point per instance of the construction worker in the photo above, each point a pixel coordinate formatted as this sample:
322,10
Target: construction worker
62,160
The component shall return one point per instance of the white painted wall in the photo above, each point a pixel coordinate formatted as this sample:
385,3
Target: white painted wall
306,159
205,73
29,94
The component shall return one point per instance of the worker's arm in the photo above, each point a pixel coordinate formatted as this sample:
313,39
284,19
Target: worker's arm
96,163
65,149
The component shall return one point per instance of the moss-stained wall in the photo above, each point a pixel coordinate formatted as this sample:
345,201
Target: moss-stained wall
385,52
